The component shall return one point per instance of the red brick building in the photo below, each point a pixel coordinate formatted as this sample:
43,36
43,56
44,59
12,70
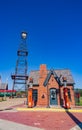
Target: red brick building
47,87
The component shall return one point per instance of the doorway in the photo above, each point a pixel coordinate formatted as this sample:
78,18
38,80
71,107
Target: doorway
35,96
53,97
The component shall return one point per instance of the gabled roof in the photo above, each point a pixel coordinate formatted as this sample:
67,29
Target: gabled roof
63,72
35,75
52,72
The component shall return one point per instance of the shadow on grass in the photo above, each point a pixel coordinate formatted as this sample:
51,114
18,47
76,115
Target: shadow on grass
76,120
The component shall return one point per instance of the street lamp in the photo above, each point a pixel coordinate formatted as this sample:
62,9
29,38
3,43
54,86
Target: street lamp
24,35
66,98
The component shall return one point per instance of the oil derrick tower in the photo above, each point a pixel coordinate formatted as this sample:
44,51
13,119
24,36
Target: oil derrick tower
20,76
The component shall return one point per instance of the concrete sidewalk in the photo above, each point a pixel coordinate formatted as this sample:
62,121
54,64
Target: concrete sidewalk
9,125
77,127
11,102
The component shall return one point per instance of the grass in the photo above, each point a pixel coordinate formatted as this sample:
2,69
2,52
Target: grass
80,102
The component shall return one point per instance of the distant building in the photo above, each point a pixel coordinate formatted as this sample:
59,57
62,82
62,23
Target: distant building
48,86
3,86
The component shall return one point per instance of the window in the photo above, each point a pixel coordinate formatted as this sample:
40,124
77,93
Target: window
69,94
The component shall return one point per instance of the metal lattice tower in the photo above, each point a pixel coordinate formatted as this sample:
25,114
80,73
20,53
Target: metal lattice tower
20,77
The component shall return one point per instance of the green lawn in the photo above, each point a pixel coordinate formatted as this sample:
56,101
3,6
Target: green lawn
80,102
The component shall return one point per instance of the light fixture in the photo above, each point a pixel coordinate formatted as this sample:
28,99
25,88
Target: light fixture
24,35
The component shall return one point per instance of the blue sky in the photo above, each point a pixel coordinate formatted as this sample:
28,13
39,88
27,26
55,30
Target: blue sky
54,35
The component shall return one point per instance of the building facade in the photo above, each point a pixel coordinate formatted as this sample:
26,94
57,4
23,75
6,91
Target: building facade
48,87
3,86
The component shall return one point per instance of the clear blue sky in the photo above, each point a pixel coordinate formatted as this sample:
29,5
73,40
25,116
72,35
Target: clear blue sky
54,35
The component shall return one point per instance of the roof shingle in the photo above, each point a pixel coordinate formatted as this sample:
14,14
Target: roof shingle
63,72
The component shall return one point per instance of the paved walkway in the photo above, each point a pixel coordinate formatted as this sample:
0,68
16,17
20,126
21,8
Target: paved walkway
45,120
14,116
8,125
77,127
9,103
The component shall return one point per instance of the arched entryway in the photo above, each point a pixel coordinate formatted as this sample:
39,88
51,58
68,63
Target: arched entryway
53,97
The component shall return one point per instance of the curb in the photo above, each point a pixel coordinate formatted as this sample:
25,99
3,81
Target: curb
49,110
6,109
